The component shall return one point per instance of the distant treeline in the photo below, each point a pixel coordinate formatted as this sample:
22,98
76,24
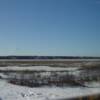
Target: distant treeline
47,57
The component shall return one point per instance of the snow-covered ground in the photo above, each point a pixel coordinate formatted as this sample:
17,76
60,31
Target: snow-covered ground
92,84
37,68
14,92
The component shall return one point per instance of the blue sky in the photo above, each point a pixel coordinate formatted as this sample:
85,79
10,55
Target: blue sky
50,27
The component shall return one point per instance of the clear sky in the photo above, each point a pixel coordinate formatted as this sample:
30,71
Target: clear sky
50,27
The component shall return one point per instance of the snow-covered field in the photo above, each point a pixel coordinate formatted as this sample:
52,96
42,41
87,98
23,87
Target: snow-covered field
10,91
14,92
37,68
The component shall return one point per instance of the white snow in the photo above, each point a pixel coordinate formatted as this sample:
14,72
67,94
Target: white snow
38,68
14,92
2,75
93,84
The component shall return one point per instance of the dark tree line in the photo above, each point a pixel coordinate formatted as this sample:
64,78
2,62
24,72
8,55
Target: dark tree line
47,57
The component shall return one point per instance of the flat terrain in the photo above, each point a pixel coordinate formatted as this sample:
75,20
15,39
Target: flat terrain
49,79
51,62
